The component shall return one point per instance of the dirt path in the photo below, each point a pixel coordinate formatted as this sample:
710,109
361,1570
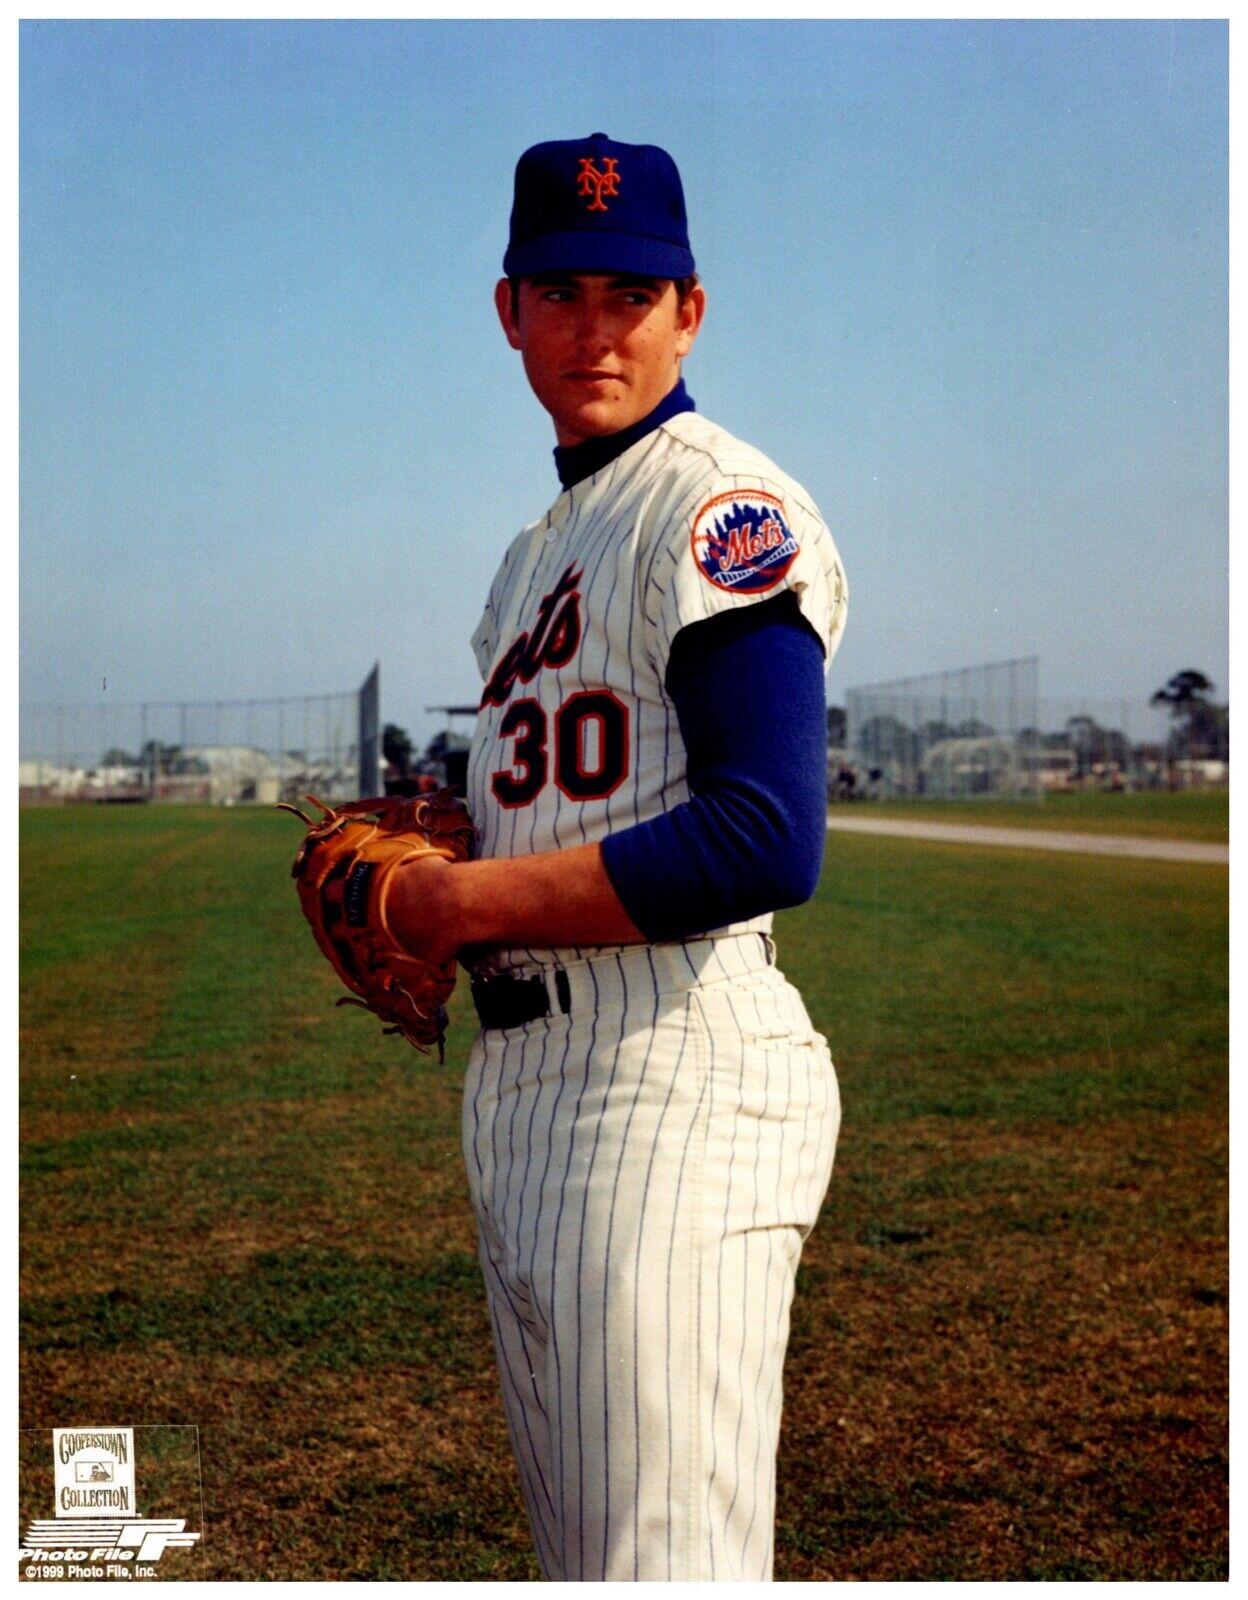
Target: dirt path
1096,844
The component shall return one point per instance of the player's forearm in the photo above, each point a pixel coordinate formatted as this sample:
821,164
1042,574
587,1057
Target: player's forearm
435,909
561,897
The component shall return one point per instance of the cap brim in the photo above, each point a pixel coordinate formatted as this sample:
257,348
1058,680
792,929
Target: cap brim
599,251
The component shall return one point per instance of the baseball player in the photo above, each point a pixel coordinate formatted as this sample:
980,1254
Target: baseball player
649,1116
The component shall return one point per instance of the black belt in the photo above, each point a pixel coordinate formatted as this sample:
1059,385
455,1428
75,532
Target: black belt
504,1002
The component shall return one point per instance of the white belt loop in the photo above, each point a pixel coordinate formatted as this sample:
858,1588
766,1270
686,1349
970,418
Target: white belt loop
558,990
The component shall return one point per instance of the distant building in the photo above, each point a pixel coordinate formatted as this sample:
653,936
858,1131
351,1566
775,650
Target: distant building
1199,774
48,780
1054,766
956,767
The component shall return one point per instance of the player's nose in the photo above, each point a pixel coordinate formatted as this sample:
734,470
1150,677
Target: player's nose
592,333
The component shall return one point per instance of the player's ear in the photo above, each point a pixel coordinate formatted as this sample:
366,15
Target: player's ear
507,311
689,319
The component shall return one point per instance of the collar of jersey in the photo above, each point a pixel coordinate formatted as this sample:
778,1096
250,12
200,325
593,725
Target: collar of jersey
577,461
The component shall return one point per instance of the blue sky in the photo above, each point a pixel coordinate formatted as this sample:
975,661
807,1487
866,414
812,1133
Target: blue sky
967,282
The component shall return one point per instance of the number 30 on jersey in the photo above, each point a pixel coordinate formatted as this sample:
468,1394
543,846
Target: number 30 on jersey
589,748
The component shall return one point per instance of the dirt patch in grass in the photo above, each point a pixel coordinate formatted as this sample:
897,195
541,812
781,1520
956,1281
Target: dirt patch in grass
171,851
355,1173
967,1398
83,1016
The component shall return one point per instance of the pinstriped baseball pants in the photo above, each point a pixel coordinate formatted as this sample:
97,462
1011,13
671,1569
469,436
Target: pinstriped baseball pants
644,1171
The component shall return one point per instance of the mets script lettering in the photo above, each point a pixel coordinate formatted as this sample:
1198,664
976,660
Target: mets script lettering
552,643
748,543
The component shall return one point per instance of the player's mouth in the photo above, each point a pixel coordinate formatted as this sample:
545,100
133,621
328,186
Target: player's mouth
592,375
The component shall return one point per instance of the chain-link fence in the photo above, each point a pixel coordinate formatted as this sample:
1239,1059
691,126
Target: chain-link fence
1131,744
986,731
221,752
969,732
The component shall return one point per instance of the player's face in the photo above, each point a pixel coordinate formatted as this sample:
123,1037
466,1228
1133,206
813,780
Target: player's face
599,351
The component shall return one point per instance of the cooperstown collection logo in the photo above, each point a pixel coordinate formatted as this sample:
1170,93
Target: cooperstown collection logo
94,1471
742,542
96,1532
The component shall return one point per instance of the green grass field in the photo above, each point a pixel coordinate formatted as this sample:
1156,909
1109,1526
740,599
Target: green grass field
1198,814
244,1210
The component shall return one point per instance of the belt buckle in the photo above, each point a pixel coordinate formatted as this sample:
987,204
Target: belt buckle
505,1001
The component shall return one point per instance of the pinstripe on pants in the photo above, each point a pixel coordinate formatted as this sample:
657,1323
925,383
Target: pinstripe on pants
644,1171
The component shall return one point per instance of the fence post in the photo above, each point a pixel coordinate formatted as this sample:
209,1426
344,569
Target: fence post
369,742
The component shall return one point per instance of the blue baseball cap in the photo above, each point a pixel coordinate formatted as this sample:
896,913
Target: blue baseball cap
594,205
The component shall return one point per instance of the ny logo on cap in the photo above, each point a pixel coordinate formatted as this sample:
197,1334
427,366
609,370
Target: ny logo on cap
590,181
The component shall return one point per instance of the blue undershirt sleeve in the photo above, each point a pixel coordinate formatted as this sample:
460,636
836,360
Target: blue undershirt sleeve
748,688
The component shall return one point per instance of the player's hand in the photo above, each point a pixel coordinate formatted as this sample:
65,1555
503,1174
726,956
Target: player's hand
424,911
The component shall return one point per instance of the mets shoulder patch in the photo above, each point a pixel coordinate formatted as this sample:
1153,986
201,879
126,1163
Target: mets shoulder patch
742,542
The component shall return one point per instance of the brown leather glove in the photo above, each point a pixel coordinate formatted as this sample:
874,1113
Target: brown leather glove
343,870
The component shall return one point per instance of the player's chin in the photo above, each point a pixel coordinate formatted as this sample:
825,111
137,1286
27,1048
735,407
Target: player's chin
595,417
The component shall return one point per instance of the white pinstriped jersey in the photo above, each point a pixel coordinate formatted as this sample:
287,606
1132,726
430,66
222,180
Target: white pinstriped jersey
577,736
